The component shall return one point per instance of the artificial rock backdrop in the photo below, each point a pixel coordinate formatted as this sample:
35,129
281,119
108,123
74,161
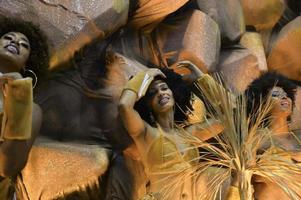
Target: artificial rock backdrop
240,38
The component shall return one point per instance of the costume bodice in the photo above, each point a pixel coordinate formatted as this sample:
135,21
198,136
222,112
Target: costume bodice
164,155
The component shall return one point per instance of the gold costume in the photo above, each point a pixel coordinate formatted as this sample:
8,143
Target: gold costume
172,173
17,109
266,189
16,118
6,189
169,170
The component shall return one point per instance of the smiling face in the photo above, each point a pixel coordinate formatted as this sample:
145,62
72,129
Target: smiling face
161,97
283,104
14,51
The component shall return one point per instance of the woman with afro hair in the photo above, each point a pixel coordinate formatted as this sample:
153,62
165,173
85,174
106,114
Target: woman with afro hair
153,106
23,53
281,91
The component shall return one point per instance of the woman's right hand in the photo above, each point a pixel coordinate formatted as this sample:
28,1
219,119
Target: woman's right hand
155,72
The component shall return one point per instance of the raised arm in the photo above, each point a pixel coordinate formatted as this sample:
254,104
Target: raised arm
206,130
205,82
133,91
20,124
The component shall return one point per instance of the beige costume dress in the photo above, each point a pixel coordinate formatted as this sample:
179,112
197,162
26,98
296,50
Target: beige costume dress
173,175
169,170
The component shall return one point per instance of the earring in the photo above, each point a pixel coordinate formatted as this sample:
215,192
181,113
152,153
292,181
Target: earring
33,76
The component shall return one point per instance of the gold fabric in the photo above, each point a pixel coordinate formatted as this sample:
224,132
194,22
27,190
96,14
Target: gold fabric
17,106
139,83
151,12
211,87
169,170
233,193
199,111
6,189
57,170
207,83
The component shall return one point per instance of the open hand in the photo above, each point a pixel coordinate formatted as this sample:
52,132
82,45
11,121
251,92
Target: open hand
155,72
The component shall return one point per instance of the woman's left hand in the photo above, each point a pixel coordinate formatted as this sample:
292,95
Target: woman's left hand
195,72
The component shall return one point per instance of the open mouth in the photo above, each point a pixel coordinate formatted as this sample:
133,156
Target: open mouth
285,104
12,49
164,100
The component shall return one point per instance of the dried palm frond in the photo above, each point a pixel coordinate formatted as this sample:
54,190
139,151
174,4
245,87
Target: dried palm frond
242,139
236,151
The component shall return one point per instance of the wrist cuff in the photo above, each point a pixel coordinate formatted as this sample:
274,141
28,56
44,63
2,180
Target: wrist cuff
17,109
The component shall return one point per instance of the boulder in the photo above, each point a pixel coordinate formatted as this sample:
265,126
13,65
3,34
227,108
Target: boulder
119,70
285,54
187,39
55,170
239,68
191,39
253,42
229,16
262,14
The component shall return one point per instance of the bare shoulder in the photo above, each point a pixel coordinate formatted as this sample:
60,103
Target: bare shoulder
37,117
36,112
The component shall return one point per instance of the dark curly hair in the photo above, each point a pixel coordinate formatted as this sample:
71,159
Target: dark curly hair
181,92
38,60
259,89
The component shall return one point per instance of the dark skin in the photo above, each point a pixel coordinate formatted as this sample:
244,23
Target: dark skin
14,52
162,103
141,132
282,109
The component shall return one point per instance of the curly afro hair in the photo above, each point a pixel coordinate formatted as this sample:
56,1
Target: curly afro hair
181,92
259,89
38,60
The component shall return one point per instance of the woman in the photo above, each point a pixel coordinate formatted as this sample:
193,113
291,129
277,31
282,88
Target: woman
281,91
23,51
152,105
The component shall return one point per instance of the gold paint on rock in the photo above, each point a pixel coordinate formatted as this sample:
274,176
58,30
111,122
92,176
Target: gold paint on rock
285,54
119,5
65,53
262,14
253,42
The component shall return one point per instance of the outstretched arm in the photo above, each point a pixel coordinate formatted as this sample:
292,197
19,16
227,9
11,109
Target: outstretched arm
206,130
209,128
